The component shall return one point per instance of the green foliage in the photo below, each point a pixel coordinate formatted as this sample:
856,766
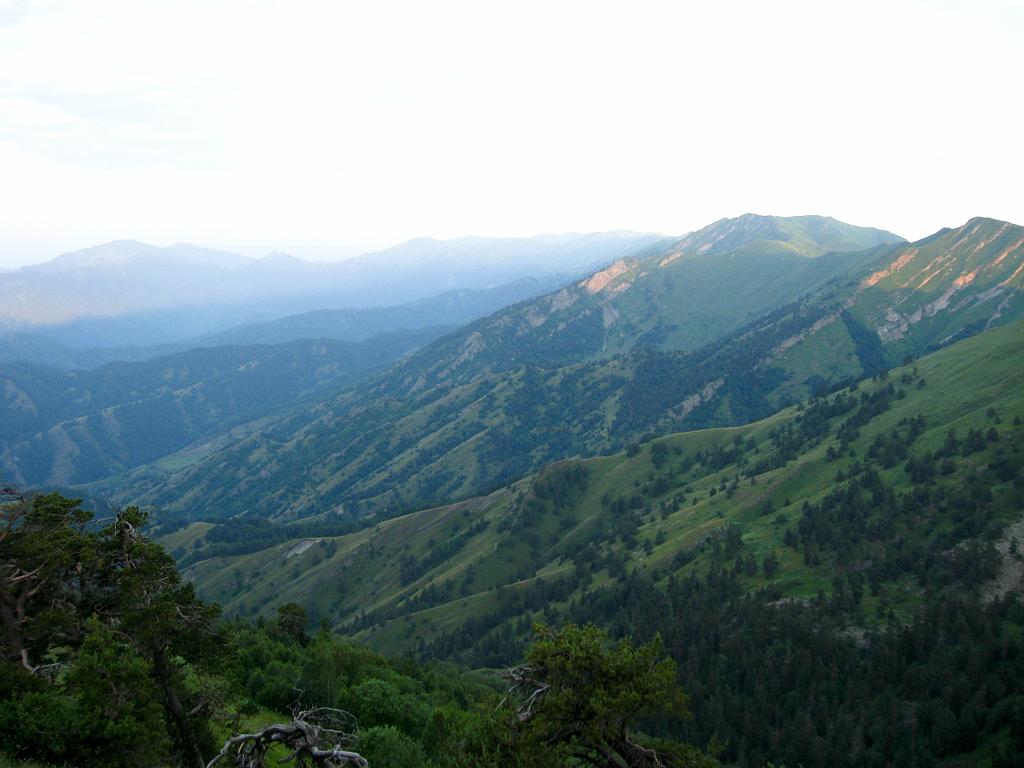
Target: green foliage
42,544
585,694
118,711
38,723
99,631
381,703
386,745
789,682
600,686
436,715
292,620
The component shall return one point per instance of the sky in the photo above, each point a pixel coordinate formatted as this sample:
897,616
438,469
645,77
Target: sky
333,127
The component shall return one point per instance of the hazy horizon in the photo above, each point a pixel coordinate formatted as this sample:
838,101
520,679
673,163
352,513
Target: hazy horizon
331,253
359,127
313,253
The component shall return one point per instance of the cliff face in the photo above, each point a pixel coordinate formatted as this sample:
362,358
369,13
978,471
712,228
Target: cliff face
928,292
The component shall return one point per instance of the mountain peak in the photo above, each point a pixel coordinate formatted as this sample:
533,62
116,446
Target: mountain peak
809,235
986,220
114,252
128,252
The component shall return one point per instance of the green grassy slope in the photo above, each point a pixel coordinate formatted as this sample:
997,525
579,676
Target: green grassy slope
673,300
906,300
667,507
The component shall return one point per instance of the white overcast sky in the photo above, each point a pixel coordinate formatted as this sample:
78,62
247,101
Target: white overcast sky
296,123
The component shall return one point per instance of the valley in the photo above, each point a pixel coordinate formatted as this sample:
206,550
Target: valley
824,471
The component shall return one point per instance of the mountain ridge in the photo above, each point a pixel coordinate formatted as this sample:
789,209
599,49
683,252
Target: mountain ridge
454,382
543,379
128,276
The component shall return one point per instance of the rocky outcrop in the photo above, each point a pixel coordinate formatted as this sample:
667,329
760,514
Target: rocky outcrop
598,281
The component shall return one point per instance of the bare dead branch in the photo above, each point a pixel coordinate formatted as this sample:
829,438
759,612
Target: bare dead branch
316,737
23,575
527,686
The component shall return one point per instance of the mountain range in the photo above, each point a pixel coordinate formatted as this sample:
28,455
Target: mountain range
720,327
128,293
560,375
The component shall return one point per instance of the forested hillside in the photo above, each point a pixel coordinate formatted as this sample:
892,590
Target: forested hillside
847,532
76,427
483,406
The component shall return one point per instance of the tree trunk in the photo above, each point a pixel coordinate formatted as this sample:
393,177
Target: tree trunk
16,650
163,673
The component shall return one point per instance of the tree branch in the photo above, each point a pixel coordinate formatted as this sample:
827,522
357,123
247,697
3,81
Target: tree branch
309,736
